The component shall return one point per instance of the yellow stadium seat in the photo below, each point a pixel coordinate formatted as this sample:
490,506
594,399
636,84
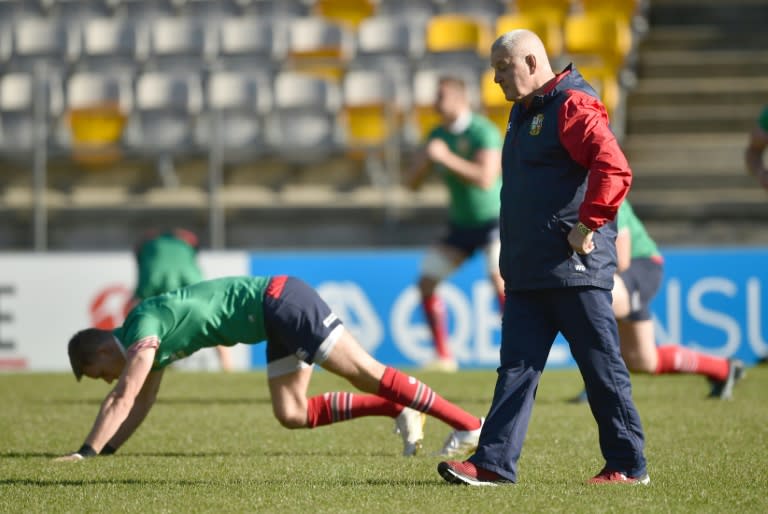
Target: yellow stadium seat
457,33
548,29
598,36
606,84
555,10
623,9
495,106
348,12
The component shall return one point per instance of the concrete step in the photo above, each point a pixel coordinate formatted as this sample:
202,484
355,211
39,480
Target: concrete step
714,155
745,203
692,119
702,64
682,36
733,13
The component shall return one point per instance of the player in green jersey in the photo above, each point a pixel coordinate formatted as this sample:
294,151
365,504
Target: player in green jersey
465,149
167,261
639,273
300,330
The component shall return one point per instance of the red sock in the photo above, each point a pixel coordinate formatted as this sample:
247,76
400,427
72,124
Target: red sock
435,313
334,407
400,388
678,359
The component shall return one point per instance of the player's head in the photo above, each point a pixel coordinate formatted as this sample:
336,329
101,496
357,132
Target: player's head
452,99
94,353
520,63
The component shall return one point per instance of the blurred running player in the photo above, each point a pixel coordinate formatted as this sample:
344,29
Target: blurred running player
300,330
465,149
168,261
640,270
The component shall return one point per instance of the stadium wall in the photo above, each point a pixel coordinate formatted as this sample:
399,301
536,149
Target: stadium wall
711,299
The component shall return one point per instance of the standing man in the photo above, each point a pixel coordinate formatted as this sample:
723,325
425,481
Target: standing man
167,261
564,177
758,142
300,330
465,149
639,273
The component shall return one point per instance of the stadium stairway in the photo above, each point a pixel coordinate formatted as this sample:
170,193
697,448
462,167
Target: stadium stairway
702,81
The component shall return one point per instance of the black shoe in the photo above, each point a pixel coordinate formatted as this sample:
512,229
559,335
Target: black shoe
724,388
580,398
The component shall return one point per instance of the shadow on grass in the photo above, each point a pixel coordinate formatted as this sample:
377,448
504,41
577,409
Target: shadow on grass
167,401
378,482
208,454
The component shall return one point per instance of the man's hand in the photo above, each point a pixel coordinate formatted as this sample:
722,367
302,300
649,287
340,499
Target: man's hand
72,457
437,150
580,243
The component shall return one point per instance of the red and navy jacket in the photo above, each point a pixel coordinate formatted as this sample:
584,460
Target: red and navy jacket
561,164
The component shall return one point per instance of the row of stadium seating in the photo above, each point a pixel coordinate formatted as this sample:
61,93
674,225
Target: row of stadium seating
298,80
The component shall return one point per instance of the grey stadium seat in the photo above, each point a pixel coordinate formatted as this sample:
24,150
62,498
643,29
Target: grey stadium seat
17,110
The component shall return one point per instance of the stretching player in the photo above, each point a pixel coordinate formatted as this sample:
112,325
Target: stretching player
299,328
466,150
640,269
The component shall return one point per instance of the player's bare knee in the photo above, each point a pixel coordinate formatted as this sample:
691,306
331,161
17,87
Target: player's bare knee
292,419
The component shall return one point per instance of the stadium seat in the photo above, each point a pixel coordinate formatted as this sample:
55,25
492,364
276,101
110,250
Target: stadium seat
96,110
42,41
210,9
369,109
246,43
236,103
162,121
78,11
112,44
549,30
622,9
371,122
180,43
555,10
606,84
457,33
601,38
494,104
414,10
318,46
142,9
486,10
347,12
18,93
303,126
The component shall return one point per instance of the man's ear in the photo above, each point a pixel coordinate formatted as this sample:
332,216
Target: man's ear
530,61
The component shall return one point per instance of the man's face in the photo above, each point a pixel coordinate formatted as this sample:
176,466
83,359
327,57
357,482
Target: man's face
512,74
450,101
105,366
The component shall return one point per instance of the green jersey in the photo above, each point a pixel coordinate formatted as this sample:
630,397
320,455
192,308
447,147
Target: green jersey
165,263
642,244
763,121
223,311
470,205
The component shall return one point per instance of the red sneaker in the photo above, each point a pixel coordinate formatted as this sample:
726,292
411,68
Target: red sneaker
609,476
456,472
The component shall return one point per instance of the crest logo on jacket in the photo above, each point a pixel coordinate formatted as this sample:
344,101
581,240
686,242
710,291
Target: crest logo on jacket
536,124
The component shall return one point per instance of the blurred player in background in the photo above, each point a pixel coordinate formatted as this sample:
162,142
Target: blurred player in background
465,149
639,273
167,261
300,330
758,142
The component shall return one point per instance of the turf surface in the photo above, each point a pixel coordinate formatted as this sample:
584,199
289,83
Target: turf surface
211,445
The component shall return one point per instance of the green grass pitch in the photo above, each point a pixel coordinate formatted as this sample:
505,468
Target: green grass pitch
211,445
